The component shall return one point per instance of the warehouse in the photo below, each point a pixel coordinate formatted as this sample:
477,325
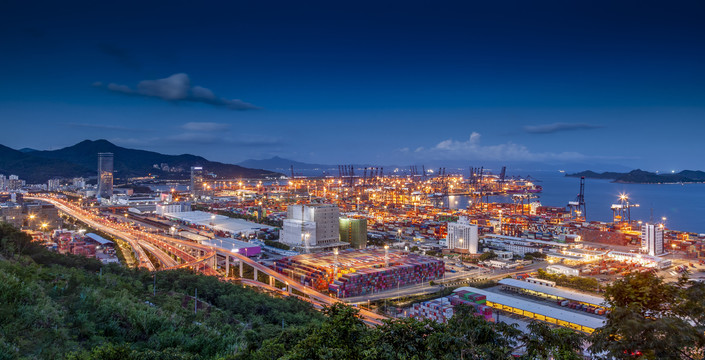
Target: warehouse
551,293
569,319
218,222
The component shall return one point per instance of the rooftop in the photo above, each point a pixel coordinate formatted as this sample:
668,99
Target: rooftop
559,292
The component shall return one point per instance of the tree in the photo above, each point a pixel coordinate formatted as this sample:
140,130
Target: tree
488,256
341,336
652,319
543,342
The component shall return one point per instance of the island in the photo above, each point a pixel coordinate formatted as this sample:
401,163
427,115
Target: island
639,176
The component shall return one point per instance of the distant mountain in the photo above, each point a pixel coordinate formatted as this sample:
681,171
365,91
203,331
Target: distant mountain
27,150
37,169
639,176
278,163
82,160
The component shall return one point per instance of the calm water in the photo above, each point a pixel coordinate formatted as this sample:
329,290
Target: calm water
682,205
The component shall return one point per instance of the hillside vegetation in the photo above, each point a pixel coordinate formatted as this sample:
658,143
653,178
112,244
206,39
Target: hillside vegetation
69,307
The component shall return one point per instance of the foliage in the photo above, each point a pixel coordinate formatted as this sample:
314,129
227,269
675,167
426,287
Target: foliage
487,256
576,282
277,244
652,319
66,306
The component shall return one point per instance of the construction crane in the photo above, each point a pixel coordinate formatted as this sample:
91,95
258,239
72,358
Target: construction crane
622,212
577,207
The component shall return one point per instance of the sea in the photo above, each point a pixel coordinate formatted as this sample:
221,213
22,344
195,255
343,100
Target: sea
683,205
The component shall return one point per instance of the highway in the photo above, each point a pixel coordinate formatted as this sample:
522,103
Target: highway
204,262
101,224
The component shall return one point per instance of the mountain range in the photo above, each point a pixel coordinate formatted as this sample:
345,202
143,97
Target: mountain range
639,176
81,159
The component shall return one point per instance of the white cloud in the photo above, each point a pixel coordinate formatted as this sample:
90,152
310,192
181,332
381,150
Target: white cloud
472,149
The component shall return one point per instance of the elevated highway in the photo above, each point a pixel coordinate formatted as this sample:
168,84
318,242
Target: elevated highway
201,258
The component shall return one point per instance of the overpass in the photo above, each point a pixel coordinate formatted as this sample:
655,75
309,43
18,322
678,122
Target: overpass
201,258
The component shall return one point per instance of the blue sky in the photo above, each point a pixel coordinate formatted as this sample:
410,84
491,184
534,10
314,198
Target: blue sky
593,84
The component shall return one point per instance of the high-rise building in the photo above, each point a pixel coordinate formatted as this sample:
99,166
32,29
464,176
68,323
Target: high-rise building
354,232
652,239
462,235
105,175
3,182
53,184
196,186
312,227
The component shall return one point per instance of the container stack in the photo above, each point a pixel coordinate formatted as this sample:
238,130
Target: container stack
360,272
438,310
476,301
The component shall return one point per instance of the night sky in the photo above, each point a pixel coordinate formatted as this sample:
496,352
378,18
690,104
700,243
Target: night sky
593,83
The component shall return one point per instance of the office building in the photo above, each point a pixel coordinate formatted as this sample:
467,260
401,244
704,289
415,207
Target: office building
53,184
105,175
462,235
652,239
196,186
354,232
312,227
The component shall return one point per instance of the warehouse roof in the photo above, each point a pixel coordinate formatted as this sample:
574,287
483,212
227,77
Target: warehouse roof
99,239
218,222
545,310
567,294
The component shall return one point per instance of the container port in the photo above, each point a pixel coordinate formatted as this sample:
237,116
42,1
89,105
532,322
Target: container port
360,272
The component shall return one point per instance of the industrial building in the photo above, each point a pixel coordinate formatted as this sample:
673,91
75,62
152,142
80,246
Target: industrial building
641,259
535,311
312,227
218,222
563,270
354,232
552,293
462,235
105,175
652,239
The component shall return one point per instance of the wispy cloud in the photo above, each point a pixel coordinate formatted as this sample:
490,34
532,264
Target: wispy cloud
177,88
558,127
205,126
472,149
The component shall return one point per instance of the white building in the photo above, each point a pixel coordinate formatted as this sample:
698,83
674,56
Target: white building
312,227
564,270
462,235
53,184
652,239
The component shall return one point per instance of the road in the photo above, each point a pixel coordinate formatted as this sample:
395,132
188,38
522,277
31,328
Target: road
101,224
203,263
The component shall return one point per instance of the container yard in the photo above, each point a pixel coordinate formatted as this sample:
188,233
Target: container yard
360,272
442,309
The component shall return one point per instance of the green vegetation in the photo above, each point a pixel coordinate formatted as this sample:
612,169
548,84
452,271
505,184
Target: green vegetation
575,282
534,255
277,244
652,319
56,306
487,256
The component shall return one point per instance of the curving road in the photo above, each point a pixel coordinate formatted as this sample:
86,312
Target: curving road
203,262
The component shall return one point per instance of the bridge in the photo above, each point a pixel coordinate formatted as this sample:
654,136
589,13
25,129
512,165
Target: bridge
175,253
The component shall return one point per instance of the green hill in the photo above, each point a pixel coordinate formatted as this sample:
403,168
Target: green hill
639,176
82,160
